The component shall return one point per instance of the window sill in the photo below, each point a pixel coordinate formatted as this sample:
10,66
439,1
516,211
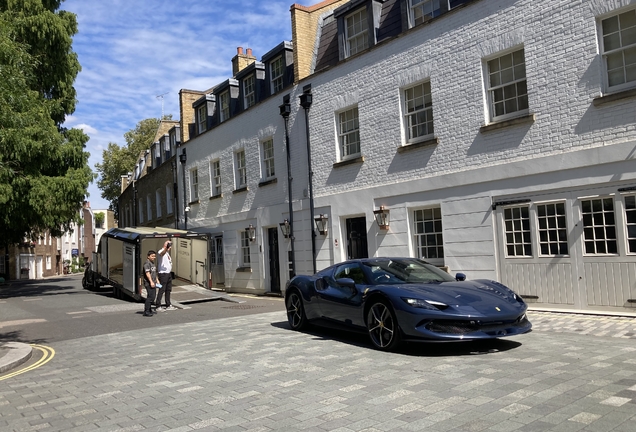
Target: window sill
239,190
426,143
268,182
196,201
244,270
359,159
625,94
528,118
213,197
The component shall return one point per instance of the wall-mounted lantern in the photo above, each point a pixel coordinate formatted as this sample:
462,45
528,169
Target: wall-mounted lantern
321,224
382,217
251,232
285,227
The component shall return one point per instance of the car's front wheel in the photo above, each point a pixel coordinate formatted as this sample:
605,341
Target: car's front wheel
383,326
296,311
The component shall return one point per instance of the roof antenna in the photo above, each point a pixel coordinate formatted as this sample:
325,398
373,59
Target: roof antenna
161,97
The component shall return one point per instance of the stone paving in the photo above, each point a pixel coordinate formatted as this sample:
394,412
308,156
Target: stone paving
572,373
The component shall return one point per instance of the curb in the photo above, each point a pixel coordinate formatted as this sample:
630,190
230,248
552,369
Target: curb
16,353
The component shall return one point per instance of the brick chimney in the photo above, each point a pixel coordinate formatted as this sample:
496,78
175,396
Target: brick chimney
240,61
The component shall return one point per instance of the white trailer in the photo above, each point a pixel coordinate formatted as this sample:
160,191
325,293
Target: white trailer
122,252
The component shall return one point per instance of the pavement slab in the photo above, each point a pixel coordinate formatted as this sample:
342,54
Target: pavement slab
253,373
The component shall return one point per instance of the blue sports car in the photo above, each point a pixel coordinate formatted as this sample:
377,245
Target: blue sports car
405,299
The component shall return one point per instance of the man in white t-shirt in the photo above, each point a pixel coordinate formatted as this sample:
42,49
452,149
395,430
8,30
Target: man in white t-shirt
165,276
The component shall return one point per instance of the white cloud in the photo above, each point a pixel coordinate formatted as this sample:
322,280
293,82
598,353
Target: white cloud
133,51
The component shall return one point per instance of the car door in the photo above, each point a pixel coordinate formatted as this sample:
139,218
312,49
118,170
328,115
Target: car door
343,303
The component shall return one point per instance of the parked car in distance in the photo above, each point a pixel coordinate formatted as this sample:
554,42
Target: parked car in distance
404,299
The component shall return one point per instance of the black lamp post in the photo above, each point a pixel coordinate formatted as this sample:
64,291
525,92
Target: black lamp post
183,158
285,110
306,99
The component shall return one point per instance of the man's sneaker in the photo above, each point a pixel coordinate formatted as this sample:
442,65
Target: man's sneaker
147,314
160,309
170,308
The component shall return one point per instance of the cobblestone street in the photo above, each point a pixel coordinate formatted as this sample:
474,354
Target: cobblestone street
252,373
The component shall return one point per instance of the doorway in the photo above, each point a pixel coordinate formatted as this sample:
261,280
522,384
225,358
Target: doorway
216,262
274,272
357,238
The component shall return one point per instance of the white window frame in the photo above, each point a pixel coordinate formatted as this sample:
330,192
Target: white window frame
158,203
48,263
169,198
149,207
245,249
202,118
267,157
552,229
249,90
421,11
215,177
224,106
517,231
277,73
356,26
614,53
194,184
348,132
241,169
427,222
413,108
501,79
629,206
596,230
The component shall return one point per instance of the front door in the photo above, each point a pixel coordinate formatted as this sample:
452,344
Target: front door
274,272
216,262
357,238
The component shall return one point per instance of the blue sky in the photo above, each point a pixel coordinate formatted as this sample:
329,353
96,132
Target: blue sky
132,51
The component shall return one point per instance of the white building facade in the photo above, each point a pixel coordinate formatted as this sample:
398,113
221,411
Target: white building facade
498,136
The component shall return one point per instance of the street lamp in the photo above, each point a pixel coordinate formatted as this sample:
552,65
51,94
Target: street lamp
285,228
382,217
251,232
183,158
306,99
285,111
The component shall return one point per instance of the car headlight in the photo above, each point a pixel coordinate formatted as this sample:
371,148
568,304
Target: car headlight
425,304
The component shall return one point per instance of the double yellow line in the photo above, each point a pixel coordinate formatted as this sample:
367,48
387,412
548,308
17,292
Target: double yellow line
47,354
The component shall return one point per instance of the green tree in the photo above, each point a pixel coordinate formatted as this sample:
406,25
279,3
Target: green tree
44,172
119,161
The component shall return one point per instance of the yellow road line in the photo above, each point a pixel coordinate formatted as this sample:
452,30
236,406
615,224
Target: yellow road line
47,354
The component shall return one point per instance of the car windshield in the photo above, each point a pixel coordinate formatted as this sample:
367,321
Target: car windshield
398,271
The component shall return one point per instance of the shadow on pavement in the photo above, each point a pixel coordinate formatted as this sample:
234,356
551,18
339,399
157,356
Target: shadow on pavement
418,349
16,336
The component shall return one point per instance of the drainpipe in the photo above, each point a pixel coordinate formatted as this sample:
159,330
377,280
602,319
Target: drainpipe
285,110
175,191
306,100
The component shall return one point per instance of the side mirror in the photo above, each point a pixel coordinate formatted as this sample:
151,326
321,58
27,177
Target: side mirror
460,277
346,282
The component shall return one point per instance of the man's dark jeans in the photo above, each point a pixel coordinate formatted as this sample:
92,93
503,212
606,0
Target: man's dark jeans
165,279
150,295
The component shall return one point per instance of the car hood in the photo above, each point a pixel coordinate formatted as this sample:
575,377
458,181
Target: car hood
477,296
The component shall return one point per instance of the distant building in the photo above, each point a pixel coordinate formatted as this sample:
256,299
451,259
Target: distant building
103,223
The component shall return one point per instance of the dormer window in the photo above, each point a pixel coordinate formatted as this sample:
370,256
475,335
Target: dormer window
224,106
277,69
249,91
202,118
357,32
421,11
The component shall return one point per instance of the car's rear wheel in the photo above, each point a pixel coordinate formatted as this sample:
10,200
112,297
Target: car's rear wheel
296,311
383,326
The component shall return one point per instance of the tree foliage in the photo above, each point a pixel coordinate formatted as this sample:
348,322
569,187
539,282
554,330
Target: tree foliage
44,172
119,161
